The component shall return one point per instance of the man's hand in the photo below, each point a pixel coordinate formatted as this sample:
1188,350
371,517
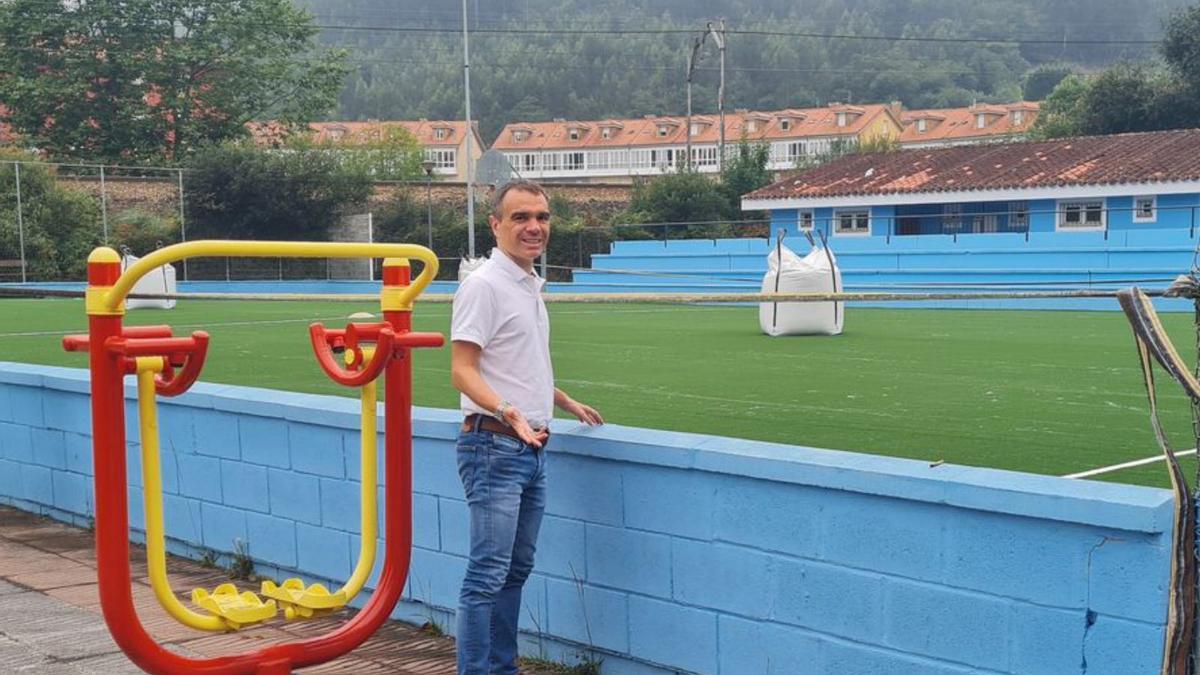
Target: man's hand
519,424
584,413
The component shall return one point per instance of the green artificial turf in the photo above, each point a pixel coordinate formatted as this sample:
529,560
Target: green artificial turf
1044,392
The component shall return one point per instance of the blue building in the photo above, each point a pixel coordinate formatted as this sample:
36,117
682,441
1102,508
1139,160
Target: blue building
1111,186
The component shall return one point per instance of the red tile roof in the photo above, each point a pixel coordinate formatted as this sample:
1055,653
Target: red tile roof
948,125
805,123
425,131
350,133
1090,160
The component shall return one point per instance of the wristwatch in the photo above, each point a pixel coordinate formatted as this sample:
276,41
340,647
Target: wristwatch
500,410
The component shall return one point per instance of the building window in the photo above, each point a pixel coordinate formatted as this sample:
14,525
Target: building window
573,161
529,161
573,134
1145,209
662,130
922,126
442,159
854,222
797,152
951,217
1020,216
804,220
704,156
980,121
439,134
785,125
520,136
985,222
1081,215
1018,117
606,133
841,119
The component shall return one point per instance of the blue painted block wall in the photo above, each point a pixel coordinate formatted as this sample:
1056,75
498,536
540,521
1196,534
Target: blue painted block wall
661,551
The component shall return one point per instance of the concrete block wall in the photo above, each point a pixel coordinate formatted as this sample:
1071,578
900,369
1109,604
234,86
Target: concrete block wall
1043,260
661,552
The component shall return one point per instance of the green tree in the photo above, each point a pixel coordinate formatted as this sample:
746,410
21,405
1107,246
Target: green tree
396,155
239,191
683,197
1042,80
1062,111
146,80
1181,47
745,172
60,227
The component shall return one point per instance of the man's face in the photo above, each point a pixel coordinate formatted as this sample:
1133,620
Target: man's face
523,228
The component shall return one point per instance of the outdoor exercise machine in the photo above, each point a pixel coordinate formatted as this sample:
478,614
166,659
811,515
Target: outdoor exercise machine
166,365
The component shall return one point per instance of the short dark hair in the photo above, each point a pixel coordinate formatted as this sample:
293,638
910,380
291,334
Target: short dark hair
519,186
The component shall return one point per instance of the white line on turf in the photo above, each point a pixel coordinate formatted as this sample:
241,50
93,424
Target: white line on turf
1127,465
196,325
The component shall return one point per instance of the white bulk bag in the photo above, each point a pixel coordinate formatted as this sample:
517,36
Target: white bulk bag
816,272
157,281
469,265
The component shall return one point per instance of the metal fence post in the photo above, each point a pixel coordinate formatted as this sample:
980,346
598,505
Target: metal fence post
103,205
20,220
182,226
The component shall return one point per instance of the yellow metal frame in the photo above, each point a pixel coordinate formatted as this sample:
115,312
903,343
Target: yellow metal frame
299,602
230,609
156,555
111,300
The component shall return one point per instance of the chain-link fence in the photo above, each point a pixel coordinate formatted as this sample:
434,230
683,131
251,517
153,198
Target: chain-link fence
53,214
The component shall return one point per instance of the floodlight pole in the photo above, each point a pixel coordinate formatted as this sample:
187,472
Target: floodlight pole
470,134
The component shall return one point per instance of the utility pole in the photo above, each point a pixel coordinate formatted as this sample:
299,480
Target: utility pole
719,38
691,69
470,137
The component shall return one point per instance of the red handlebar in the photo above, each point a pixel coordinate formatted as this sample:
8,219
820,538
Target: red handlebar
323,340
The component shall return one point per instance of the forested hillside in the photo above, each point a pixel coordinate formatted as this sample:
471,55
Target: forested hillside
540,59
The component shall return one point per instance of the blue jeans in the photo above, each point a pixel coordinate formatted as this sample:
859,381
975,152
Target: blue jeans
505,484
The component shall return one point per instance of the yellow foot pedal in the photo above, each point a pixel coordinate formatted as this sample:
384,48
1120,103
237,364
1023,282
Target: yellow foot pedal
299,602
237,609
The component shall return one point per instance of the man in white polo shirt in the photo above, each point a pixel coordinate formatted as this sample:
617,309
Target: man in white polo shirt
500,362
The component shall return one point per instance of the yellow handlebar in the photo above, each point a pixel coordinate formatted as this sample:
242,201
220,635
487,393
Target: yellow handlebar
274,249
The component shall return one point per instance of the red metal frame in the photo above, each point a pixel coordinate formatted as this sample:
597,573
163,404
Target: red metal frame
108,369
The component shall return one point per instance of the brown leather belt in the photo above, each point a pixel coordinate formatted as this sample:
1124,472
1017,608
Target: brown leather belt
491,424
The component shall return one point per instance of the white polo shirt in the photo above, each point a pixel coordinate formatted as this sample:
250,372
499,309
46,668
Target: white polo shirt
499,307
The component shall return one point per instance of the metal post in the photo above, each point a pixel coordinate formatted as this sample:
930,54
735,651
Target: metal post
691,69
428,166
719,38
182,226
20,219
103,205
371,239
470,135
227,268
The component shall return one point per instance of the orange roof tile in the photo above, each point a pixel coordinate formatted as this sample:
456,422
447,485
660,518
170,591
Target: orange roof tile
948,125
1090,160
425,131
802,123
